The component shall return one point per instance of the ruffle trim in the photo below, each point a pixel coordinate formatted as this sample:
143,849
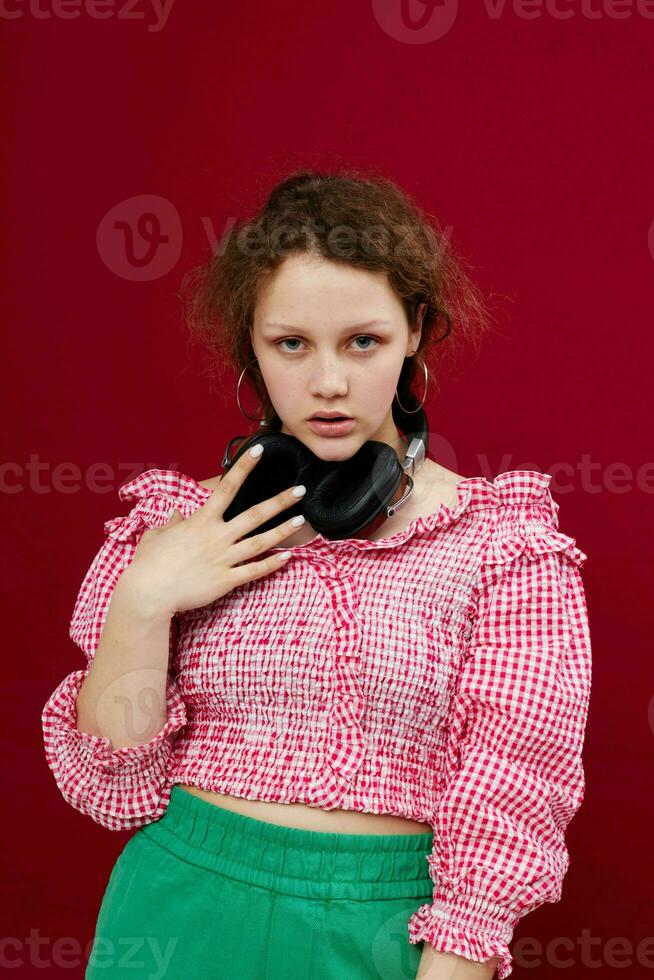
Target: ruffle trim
533,538
347,742
61,710
428,925
475,493
346,739
158,493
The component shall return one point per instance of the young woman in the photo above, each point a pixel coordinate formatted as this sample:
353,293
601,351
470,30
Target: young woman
351,748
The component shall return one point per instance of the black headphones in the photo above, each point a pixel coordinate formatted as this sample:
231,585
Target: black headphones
346,499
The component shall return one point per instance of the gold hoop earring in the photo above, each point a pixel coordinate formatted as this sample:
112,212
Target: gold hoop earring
414,410
261,421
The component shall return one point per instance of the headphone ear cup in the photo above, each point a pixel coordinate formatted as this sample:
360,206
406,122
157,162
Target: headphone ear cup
345,493
285,462
246,444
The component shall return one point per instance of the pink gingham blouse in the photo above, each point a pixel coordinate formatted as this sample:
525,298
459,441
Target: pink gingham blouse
440,674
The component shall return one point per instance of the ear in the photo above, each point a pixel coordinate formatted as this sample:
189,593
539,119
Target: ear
416,332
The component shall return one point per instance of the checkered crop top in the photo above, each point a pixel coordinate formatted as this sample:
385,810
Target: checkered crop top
441,674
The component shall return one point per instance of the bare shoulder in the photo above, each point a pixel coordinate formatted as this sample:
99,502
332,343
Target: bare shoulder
439,482
441,473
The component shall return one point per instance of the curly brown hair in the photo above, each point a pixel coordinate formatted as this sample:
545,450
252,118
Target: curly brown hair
361,219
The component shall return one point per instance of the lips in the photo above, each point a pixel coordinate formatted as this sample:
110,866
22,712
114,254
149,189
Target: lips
332,427
327,416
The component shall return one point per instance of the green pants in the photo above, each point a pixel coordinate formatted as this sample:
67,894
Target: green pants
204,893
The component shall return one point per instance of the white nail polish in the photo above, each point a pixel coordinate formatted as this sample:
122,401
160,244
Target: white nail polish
256,450
299,490
297,520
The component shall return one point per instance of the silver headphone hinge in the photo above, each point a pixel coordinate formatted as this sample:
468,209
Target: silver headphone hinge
413,459
414,456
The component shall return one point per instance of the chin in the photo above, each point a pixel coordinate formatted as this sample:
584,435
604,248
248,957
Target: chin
333,450
329,449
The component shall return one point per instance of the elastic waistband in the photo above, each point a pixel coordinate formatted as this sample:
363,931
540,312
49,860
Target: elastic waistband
306,863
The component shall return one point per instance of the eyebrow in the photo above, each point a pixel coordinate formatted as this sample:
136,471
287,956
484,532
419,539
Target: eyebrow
270,325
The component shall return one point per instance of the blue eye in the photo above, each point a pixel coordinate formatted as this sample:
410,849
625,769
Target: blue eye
366,350
290,339
366,337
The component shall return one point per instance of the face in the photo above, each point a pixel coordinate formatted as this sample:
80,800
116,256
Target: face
332,338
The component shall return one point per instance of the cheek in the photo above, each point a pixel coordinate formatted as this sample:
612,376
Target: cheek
381,380
284,387
272,372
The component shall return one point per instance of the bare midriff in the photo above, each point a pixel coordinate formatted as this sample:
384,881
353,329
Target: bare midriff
305,817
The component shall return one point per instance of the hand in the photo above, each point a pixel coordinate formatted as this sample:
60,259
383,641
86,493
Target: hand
191,562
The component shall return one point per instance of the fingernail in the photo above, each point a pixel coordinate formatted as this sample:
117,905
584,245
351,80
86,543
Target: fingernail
296,521
256,450
299,490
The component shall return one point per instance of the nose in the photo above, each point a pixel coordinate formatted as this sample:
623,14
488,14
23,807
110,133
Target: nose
327,380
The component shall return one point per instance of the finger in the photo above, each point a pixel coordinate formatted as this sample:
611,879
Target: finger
230,483
257,569
248,548
250,519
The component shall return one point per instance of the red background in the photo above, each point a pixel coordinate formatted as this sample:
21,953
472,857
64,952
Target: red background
532,138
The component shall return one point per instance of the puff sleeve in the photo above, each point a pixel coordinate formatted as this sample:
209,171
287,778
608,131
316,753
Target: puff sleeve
127,787
514,776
